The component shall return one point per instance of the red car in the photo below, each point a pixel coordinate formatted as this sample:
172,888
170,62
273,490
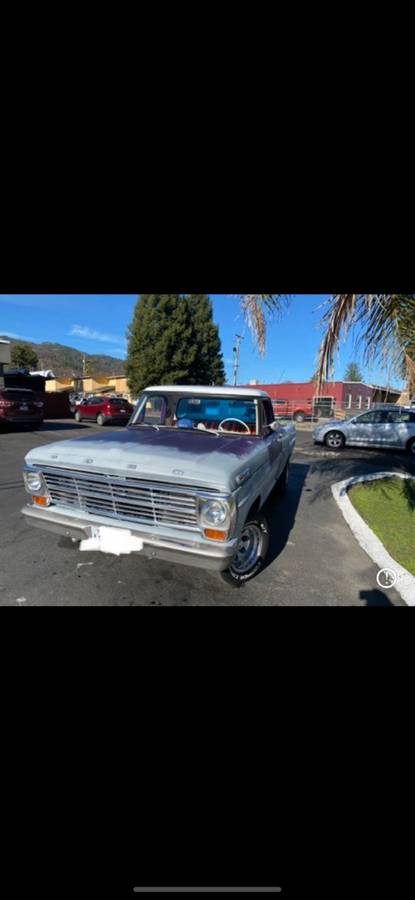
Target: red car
104,410
19,406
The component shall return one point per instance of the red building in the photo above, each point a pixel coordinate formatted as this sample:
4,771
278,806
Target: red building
299,399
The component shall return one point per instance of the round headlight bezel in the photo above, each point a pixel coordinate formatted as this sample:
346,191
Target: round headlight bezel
214,513
34,482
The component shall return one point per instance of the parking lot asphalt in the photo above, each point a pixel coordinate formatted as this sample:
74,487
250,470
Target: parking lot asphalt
314,559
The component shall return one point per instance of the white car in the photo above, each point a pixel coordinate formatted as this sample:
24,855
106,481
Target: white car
387,427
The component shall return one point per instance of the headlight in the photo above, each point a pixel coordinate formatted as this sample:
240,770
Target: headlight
34,483
214,512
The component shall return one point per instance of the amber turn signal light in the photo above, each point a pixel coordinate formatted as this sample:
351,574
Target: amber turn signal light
41,501
216,535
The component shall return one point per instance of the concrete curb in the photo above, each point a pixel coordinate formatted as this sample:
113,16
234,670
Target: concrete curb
405,585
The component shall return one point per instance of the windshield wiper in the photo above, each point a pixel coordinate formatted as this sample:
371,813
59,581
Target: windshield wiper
144,425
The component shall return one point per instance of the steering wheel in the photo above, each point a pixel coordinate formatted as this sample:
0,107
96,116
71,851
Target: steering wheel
233,420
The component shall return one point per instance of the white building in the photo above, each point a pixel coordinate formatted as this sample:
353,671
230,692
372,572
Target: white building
4,352
5,358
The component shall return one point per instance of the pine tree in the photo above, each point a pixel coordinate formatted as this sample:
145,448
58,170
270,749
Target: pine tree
173,340
353,373
24,357
209,362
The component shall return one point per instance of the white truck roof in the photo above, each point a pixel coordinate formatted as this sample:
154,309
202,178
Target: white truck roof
208,391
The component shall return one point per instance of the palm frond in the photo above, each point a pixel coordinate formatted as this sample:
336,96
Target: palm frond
409,373
257,310
386,323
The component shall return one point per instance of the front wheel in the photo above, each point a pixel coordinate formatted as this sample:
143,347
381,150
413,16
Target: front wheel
299,417
252,550
78,417
335,440
411,447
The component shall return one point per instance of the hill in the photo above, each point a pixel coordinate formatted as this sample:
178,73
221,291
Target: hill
66,361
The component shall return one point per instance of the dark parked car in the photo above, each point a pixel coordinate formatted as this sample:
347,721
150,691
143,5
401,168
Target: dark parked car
105,410
19,406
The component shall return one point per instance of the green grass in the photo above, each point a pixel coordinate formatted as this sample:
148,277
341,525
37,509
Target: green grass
388,507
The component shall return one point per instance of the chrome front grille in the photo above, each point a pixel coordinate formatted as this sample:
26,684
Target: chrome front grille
129,499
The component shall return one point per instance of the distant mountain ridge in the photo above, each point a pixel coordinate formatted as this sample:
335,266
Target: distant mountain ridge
66,361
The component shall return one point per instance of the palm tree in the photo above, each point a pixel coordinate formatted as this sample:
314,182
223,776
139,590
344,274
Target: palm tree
386,324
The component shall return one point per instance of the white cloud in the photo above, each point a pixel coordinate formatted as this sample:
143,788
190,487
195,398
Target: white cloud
92,335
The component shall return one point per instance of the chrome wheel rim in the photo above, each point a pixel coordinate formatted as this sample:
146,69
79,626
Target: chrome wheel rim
334,441
249,550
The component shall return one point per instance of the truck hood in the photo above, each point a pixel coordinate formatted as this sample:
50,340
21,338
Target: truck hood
177,457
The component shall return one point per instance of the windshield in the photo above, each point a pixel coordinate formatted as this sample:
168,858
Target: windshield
234,416
213,413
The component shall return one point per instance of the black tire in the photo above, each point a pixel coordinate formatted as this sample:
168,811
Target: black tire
299,417
100,420
255,528
335,440
282,483
78,417
411,447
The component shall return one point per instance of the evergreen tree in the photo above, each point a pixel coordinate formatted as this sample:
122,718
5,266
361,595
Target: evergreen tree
24,357
209,367
353,373
173,341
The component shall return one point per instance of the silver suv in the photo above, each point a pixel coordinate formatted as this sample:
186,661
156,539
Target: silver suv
383,427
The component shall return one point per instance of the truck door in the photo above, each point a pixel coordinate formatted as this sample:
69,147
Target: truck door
273,444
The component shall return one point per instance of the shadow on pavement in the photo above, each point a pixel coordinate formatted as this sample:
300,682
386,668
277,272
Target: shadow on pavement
281,512
62,426
71,425
45,426
375,597
330,471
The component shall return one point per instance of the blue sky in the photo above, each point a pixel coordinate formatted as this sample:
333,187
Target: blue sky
97,323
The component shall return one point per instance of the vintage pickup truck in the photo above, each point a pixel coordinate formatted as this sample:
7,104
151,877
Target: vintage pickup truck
186,481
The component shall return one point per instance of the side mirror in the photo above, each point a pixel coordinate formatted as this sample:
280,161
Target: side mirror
275,426
353,422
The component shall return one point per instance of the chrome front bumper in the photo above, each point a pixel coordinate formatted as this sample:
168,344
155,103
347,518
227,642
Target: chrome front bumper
190,552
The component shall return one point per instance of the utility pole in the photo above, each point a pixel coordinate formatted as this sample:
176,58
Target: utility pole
237,353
